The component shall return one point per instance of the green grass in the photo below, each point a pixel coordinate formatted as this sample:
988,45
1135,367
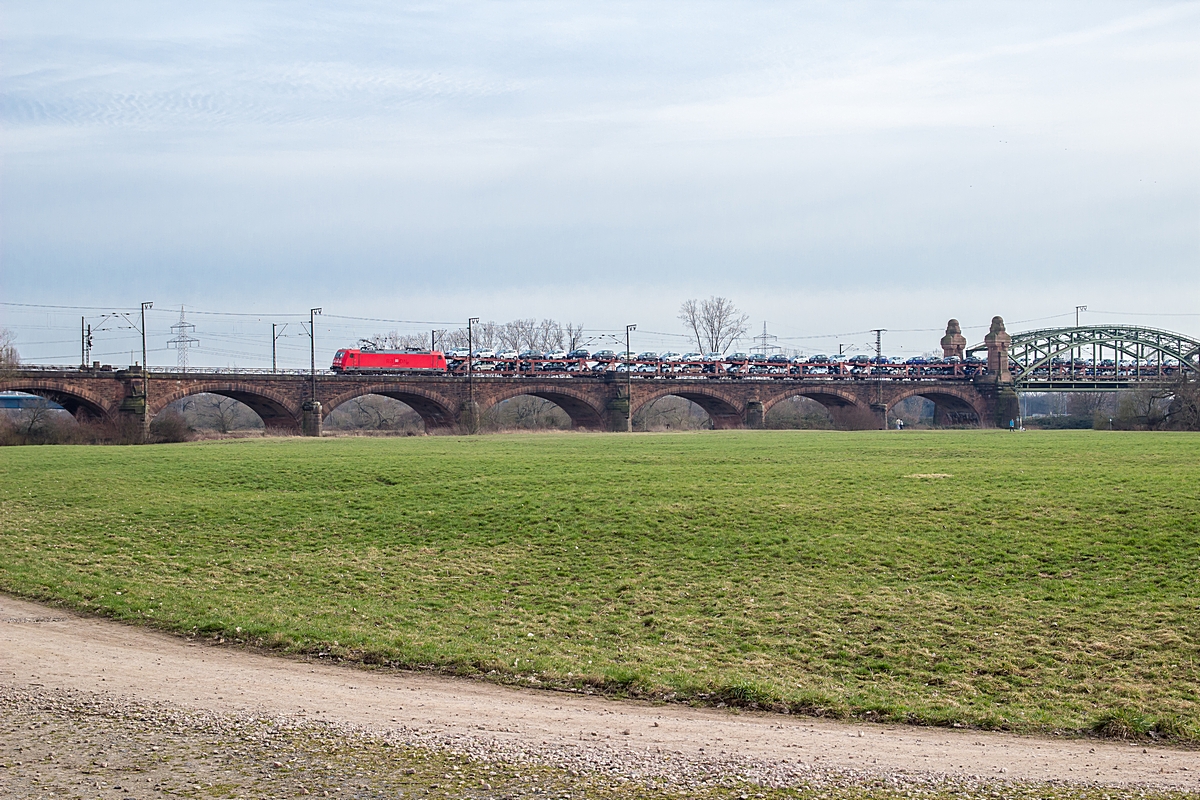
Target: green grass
1050,583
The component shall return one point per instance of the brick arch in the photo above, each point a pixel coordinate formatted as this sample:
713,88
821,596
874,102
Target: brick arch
725,412
952,405
435,410
275,409
846,407
79,402
578,405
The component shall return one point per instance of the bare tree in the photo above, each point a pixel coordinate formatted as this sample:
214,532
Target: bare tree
517,334
671,413
1174,407
799,413
214,412
715,323
528,413
36,414
224,412
1089,404
1183,413
9,357
572,336
549,336
374,412
545,335
394,340
455,338
487,334
385,341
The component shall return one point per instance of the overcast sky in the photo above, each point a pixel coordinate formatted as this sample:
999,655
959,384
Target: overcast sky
832,167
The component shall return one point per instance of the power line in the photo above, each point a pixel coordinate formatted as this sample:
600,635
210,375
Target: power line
1145,314
395,321
68,308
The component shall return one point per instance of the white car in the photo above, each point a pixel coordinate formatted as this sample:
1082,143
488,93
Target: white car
506,354
557,354
693,357
458,352
485,352
668,356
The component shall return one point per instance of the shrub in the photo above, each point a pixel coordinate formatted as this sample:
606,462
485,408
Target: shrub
170,426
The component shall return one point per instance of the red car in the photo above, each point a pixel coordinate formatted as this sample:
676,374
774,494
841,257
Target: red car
408,360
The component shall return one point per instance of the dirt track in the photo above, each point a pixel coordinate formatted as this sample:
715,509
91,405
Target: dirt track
50,650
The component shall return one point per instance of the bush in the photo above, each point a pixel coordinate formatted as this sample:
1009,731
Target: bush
1061,422
170,426
62,429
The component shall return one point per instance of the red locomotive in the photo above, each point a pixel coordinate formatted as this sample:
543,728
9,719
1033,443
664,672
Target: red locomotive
408,360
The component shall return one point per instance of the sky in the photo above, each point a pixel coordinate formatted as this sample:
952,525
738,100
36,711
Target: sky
830,167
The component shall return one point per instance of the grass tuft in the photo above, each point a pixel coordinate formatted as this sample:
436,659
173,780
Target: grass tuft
744,694
1125,723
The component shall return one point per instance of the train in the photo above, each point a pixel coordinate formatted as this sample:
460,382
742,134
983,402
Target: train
417,361
410,360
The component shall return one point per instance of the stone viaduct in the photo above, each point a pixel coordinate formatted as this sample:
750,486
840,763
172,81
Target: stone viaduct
287,402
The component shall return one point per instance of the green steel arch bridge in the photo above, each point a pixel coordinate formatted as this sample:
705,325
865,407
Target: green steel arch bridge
1099,358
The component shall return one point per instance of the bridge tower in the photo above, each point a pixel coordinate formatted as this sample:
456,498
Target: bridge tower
998,342
1006,404
954,344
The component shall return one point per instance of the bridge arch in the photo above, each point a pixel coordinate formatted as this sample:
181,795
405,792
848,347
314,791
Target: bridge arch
81,403
1033,350
578,405
273,408
724,411
846,408
435,410
952,405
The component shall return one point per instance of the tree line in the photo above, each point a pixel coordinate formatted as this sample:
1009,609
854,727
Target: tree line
518,334
713,324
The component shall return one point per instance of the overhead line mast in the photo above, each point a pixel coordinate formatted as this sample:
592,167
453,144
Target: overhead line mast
183,340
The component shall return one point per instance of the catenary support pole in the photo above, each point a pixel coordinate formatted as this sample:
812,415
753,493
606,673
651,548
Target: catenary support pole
472,422
628,381
145,375
312,341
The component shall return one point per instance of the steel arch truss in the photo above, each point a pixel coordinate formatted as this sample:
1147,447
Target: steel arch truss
1149,353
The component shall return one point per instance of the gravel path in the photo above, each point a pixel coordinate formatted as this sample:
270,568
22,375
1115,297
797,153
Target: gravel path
58,665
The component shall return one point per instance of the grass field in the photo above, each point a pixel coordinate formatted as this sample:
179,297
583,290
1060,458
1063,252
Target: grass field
1048,581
